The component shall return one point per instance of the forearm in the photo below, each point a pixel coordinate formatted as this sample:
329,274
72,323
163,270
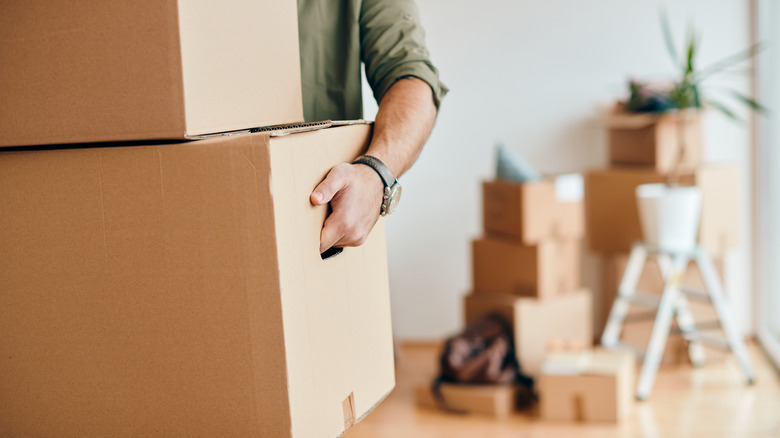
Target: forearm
404,122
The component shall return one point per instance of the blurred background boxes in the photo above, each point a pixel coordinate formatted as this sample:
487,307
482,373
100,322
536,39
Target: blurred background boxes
497,401
543,270
527,265
96,71
599,388
530,212
537,322
612,218
653,141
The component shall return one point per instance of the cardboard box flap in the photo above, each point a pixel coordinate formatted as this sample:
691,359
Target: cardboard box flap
624,120
275,130
608,362
598,362
284,129
567,363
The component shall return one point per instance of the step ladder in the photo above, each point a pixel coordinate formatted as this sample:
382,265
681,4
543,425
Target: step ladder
673,303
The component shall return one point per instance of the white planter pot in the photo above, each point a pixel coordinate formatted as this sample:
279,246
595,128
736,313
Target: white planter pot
669,215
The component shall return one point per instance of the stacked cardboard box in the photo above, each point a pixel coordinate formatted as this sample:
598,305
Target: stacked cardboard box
587,386
497,401
526,267
173,287
642,150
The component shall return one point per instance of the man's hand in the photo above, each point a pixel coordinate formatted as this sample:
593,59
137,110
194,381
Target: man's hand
355,193
403,123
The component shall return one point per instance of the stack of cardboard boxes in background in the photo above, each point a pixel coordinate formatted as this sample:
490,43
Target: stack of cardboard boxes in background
526,267
163,287
643,150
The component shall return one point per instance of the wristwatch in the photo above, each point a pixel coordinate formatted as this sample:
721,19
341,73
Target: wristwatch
392,192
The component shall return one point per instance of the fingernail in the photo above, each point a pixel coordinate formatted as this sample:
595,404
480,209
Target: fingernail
318,196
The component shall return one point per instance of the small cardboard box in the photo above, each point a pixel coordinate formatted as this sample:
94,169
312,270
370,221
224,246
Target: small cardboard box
612,217
497,401
532,212
178,290
654,141
548,268
536,323
598,388
95,71
637,333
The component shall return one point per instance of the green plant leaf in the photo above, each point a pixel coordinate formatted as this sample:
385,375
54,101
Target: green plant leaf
730,61
667,31
723,109
691,52
752,103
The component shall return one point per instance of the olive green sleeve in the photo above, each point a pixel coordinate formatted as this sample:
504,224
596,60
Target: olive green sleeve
392,46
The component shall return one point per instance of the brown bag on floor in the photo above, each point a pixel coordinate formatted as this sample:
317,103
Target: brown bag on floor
483,354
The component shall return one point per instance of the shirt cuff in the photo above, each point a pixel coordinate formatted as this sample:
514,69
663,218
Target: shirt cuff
417,69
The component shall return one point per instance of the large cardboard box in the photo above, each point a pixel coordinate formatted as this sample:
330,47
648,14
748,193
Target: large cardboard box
97,70
178,290
598,387
536,323
548,268
612,218
497,401
654,141
531,212
637,333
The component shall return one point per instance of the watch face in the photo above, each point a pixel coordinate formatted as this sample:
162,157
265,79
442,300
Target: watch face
395,196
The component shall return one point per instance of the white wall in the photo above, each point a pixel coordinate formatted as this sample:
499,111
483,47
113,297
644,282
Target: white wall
531,74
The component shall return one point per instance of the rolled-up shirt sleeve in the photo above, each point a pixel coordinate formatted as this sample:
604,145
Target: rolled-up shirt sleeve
392,47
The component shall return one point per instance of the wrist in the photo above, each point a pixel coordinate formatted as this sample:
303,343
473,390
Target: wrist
379,150
392,189
370,176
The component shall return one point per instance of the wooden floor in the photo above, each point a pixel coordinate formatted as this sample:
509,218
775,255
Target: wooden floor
708,402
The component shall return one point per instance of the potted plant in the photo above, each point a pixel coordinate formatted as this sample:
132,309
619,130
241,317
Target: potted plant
670,212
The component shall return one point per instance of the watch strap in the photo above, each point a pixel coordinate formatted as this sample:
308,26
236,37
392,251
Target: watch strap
379,167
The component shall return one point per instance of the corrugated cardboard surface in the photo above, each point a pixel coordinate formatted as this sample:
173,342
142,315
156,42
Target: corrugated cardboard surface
602,392
495,400
241,64
98,70
536,322
501,265
338,332
148,291
657,143
529,212
612,218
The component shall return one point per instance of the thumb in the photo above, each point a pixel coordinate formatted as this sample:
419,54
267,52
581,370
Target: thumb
332,184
